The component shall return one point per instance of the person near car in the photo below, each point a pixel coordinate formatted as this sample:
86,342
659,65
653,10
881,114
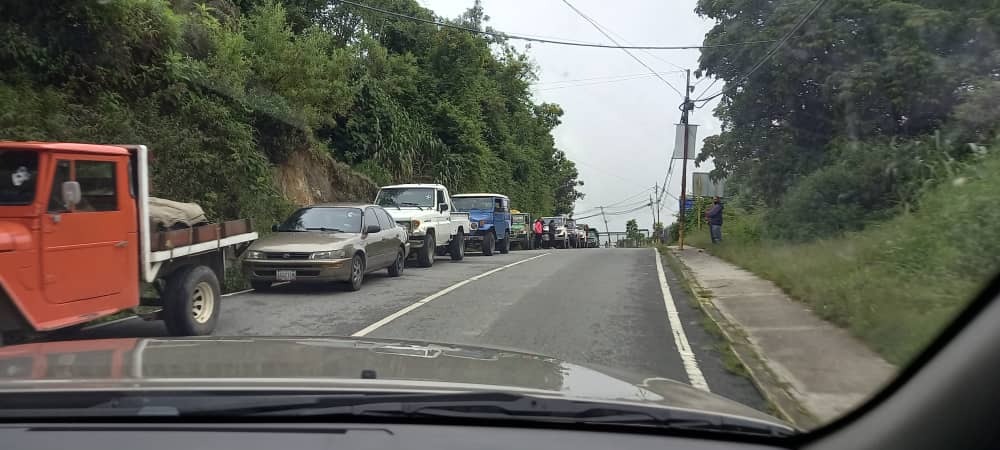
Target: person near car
538,230
552,233
714,218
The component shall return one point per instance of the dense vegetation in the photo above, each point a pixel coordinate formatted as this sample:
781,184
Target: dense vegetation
223,91
859,112
862,158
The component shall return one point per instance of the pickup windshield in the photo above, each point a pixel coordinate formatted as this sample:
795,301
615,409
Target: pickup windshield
18,176
469,203
517,219
347,220
557,220
403,197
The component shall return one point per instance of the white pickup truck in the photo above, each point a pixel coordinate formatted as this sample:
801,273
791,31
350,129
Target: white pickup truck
430,219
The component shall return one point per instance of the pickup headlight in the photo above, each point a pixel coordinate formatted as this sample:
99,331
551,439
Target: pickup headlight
254,254
332,254
415,224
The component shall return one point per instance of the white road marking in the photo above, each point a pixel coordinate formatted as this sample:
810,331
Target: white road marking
367,330
694,374
111,322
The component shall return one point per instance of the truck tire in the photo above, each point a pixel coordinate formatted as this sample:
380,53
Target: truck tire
504,245
457,246
191,301
260,285
425,255
396,269
488,241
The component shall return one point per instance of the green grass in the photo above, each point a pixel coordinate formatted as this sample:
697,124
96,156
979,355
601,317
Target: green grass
895,284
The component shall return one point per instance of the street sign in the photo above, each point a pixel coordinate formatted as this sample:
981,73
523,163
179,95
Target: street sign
689,204
679,141
704,186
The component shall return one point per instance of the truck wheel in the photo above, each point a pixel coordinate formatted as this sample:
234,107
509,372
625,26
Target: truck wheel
488,244
260,285
396,269
457,247
504,245
425,256
357,273
191,301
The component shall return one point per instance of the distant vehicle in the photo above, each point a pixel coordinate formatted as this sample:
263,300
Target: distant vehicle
77,243
520,230
489,216
572,233
331,242
561,238
427,213
593,239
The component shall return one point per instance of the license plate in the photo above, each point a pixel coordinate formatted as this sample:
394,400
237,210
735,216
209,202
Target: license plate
545,237
285,275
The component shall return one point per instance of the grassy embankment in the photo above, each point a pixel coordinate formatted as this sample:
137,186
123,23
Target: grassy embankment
897,283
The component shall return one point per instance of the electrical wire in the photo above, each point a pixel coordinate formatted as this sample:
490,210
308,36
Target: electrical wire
607,35
524,37
781,42
554,88
608,77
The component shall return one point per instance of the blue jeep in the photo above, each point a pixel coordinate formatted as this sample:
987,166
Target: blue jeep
490,217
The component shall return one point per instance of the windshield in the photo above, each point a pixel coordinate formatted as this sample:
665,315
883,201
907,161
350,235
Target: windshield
18,176
347,220
470,203
558,220
422,197
794,198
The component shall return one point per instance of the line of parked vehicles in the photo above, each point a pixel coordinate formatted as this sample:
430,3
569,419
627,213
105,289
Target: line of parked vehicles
82,239
342,242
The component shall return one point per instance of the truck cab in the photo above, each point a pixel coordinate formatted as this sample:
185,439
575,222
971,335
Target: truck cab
427,212
520,230
75,243
489,217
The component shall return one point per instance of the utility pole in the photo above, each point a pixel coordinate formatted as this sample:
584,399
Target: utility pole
684,166
657,190
606,229
652,228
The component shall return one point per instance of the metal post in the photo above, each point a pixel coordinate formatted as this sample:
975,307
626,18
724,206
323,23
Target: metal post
684,166
653,214
608,230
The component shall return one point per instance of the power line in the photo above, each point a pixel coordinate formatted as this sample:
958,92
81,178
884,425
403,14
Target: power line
781,42
643,74
636,58
554,88
523,37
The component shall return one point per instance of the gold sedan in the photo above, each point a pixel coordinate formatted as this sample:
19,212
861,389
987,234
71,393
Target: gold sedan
328,242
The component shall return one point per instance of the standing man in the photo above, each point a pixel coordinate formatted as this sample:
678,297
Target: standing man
714,218
538,229
552,233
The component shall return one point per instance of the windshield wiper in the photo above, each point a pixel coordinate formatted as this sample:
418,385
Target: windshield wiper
506,406
412,204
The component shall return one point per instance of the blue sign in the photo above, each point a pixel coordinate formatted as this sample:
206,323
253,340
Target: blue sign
689,204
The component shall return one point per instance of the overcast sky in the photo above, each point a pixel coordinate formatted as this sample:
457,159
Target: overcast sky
619,132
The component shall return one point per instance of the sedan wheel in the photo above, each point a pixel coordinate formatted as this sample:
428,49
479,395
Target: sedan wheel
357,273
396,269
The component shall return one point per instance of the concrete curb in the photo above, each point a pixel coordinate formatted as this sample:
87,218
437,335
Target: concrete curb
774,389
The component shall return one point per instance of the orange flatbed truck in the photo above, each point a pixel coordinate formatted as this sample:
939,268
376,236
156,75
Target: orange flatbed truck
76,243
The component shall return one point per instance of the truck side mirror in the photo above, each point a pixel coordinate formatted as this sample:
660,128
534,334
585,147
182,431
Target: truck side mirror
443,207
71,193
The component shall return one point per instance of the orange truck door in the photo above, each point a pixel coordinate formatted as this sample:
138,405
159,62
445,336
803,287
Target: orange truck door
86,247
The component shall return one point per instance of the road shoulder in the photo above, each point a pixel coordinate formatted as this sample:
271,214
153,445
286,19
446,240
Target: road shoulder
809,369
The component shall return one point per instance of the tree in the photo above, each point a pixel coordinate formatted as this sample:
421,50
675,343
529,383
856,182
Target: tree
632,230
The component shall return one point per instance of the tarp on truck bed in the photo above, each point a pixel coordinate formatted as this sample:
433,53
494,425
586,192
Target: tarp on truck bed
168,214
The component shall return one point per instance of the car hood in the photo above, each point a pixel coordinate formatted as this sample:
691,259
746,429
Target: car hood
476,215
302,241
332,363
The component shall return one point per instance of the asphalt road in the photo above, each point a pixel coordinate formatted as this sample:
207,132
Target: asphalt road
597,307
